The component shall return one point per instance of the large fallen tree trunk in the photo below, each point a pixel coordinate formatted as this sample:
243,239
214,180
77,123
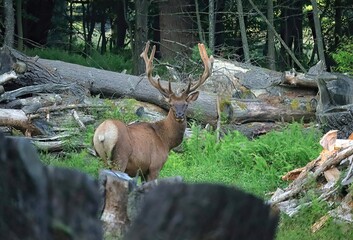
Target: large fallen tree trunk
270,105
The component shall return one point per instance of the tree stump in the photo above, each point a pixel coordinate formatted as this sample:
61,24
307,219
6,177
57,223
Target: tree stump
335,107
202,212
39,202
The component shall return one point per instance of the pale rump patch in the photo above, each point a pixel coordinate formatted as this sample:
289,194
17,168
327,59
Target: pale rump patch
105,138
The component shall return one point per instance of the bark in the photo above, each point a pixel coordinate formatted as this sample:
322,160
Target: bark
120,25
175,28
319,39
271,52
19,120
335,107
199,26
9,23
244,39
141,35
19,25
212,25
122,198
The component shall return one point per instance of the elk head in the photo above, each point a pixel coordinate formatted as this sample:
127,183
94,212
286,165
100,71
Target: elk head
178,102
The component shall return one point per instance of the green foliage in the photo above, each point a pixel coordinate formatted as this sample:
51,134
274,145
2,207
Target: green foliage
299,227
195,56
109,61
81,161
255,165
344,57
124,110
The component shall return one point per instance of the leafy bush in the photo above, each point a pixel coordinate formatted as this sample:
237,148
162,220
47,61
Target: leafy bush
196,54
344,57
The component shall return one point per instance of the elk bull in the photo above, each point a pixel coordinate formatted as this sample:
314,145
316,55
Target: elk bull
142,148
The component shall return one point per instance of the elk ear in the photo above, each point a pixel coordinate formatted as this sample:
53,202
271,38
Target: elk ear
192,97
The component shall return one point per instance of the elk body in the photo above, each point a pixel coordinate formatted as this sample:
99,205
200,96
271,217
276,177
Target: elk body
143,148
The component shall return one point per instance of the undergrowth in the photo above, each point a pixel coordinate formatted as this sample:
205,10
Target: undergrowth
255,165
108,61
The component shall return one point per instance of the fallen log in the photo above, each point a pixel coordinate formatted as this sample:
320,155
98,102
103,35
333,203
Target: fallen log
19,120
33,89
271,104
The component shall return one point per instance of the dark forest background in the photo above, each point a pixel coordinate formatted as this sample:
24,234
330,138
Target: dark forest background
277,34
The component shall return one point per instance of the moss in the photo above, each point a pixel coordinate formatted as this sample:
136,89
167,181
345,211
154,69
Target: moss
241,105
295,104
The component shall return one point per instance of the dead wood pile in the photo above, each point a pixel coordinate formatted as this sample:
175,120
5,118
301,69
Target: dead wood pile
328,177
33,90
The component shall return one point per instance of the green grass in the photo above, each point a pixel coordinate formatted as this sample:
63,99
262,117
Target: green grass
299,227
255,165
81,161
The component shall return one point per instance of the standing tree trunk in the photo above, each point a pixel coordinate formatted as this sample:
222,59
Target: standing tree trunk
71,30
176,28
141,35
199,26
291,30
104,39
92,16
121,25
271,54
244,39
319,39
36,28
9,23
212,24
84,25
338,22
19,25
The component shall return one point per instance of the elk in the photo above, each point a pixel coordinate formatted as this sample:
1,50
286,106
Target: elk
142,148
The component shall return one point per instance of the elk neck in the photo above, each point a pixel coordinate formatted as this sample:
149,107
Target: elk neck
171,131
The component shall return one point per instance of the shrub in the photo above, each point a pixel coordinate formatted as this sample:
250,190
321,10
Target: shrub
344,57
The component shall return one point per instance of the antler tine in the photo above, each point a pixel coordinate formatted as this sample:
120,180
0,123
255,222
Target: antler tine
155,82
208,64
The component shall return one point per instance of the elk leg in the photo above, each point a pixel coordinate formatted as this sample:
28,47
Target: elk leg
152,174
119,162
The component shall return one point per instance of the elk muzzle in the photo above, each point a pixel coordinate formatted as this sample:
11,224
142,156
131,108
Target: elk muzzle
179,112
